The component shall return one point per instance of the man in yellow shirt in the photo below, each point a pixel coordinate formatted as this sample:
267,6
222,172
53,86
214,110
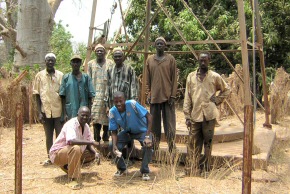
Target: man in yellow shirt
200,110
45,88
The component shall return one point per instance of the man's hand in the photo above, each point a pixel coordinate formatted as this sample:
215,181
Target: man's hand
95,144
171,101
40,118
148,100
213,98
147,142
188,123
107,111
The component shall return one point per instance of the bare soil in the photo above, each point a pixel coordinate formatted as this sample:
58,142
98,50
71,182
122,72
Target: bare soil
164,179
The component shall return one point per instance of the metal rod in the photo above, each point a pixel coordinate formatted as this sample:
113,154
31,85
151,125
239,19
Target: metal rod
177,29
225,57
143,30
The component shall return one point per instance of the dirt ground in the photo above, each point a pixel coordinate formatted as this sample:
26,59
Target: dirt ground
164,179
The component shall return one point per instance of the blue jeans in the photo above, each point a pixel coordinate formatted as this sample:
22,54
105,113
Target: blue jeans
123,139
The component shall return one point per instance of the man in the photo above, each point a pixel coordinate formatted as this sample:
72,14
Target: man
200,110
121,77
76,90
46,86
162,87
73,146
136,123
98,72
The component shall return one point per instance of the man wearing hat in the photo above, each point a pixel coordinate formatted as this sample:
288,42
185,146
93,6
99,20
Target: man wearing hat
121,77
162,86
45,89
98,72
76,90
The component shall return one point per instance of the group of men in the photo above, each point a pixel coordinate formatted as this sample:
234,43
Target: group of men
107,97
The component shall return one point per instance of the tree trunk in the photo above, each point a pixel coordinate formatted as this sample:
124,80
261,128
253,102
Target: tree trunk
34,27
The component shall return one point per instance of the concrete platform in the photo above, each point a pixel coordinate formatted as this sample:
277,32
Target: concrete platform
232,151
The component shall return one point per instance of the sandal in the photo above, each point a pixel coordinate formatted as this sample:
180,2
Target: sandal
74,185
47,163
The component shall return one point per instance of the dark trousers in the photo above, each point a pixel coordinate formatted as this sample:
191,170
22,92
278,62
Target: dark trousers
123,139
49,125
201,134
97,132
169,123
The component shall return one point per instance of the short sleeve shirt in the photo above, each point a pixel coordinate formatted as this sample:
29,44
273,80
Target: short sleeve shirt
71,130
47,87
133,119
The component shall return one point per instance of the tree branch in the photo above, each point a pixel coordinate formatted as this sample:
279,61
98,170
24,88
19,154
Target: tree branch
54,4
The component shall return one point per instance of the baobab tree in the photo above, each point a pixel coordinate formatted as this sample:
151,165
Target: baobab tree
30,37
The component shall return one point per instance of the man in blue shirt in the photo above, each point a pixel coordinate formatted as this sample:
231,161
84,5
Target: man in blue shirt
136,123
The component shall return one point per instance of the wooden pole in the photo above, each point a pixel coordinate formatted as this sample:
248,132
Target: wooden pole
91,31
248,108
262,64
146,46
123,20
18,147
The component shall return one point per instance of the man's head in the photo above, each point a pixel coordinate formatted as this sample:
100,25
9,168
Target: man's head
118,56
100,51
119,101
160,44
50,60
76,62
83,115
204,59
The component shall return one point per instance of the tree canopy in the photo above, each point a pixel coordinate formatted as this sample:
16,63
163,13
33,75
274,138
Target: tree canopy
220,18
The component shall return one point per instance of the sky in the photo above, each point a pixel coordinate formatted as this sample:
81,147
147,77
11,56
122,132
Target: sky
76,15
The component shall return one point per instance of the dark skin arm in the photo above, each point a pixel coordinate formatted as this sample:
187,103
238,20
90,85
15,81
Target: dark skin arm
38,104
65,118
89,144
148,141
114,140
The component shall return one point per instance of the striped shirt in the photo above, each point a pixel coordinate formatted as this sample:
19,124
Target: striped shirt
121,79
99,79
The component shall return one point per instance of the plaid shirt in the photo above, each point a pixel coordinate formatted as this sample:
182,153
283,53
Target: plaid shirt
121,79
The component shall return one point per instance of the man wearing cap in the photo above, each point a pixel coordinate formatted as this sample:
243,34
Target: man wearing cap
162,86
200,111
76,90
45,89
121,77
98,72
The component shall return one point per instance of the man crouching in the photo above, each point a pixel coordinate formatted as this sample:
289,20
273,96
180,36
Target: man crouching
136,123
73,147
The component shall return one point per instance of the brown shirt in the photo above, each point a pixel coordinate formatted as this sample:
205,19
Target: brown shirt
197,104
161,78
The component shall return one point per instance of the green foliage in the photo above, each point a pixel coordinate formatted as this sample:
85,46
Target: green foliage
222,24
61,46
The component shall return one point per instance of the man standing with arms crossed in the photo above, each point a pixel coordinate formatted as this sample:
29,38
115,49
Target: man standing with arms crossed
98,72
162,86
45,88
200,110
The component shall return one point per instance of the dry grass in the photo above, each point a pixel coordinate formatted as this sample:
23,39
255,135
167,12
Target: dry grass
165,176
